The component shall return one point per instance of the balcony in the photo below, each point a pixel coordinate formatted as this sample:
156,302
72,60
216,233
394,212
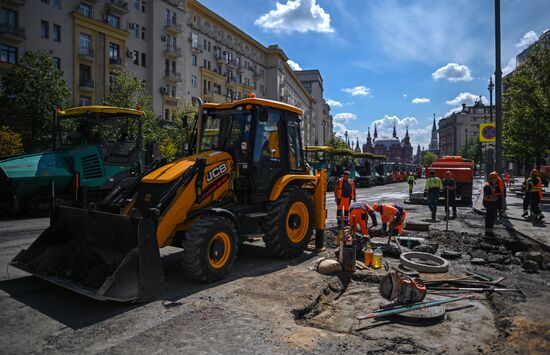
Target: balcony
86,53
173,27
172,52
219,58
196,48
257,75
115,61
86,84
10,32
173,77
117,7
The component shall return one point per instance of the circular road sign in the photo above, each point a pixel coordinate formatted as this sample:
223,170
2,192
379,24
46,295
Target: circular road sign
489,132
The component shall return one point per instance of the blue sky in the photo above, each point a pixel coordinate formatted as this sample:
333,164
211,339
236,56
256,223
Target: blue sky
391,61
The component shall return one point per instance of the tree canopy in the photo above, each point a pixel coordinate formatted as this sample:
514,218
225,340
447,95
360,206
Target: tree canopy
472,150
31,90
337,142
428,158
526,123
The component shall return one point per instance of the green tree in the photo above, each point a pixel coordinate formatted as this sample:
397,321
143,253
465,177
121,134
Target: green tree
337,142
10,142
526,124
428,158
182,132
472,150
31,91
127,90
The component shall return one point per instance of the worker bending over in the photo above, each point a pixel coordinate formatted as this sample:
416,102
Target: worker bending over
433,187
449,184
411,181
344,193
491,195
393,217
359,214
534,186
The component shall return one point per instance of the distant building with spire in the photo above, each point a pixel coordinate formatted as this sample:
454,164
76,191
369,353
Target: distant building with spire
434,143
357,149
394,149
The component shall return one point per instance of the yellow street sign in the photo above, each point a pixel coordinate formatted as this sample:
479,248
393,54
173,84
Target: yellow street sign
487,132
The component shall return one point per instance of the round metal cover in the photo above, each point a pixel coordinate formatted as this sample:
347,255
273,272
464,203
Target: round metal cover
424,316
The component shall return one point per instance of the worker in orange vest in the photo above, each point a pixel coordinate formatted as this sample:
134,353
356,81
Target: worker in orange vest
393,217
491,195
344,193
501,203
508,179
534,187
358,214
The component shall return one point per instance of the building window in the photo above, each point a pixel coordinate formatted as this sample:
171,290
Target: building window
57,4
85,75
143,33
143,5
114,53
173,91
85,42
57,62
143,58
194,81
8,18
114,21
135,55
47,2
8,54
44,29
84,101
136,30
85,9
239,78
194,40
56,35
167,114
193,60
136,4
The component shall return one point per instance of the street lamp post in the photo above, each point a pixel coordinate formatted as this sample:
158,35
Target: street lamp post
498,91
324,123
489,165
490,88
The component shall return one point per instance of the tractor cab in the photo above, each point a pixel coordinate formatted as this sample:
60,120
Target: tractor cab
263,138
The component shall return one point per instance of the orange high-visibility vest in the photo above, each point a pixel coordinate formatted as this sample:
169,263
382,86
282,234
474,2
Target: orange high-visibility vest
339,188
493,196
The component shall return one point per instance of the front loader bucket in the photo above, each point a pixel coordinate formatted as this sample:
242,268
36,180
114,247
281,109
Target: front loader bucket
100,255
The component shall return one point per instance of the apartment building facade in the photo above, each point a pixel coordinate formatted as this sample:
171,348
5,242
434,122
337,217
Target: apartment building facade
455,129
180,49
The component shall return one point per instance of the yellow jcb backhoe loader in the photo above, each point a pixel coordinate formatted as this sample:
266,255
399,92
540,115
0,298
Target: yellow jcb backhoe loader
247,176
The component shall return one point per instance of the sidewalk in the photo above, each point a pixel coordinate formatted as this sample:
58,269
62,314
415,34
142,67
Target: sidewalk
513,219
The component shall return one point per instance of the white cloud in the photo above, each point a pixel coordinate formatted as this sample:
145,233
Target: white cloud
293,65
420,100
467,98
453,72
334,103
528,39
358,91
296,16
345,117
453,110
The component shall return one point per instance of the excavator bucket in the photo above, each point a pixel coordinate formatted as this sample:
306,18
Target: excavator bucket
100,255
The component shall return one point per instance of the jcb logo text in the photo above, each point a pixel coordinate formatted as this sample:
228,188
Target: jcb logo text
216,172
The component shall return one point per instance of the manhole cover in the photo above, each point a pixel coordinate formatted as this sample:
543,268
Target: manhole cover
424,316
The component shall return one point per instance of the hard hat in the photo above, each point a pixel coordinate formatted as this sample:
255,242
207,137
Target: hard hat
493,175
375,206
346,172
448,173
535,172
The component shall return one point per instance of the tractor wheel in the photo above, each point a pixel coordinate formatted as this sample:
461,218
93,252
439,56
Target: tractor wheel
210,249
289,224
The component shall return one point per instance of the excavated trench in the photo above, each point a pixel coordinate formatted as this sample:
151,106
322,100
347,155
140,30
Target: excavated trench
485,323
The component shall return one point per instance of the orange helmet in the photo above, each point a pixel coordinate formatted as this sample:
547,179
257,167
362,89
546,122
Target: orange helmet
448,174
375,206
534,172
493,175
